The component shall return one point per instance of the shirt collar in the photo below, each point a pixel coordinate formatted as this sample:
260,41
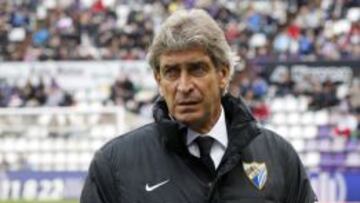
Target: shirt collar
218,132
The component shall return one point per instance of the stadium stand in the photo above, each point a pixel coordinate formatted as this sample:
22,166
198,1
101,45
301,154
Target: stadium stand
50,125
264,30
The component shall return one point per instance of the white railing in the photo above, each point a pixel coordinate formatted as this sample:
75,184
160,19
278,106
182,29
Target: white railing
56,138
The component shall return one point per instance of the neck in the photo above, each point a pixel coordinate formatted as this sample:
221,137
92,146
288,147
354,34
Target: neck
204,127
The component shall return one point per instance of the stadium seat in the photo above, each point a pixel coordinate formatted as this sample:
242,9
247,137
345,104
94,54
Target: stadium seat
331,161
2,158
291,104
296,132
279,118
93,119
307,118
96,131
310,132
59,144
73,159
60,167
312,145
298,144
339,144
339,159
21,145
303,103
80,96
283,131
61,160
94,96
85,159
7,144
47,158
96,144
352,145
108,131
322,117
353,160
324,131
44,119
95,105
11,158
277,105
77,120
46,167
61,120
34,160
33,145
293,118
46,145
312,159
33,131
325,145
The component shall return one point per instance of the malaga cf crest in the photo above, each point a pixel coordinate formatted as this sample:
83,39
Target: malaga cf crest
257,173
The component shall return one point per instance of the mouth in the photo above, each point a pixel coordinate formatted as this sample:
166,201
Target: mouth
187,103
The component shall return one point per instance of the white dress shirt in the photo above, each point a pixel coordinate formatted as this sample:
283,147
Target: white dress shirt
218,132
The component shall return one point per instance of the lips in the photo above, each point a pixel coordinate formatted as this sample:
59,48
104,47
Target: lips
187,106
187,103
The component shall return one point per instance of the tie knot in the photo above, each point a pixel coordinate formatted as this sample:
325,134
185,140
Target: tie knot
204,143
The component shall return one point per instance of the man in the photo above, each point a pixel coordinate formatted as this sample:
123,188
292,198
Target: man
204,145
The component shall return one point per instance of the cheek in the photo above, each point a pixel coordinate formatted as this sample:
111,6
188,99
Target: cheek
165,89
213,95
169,95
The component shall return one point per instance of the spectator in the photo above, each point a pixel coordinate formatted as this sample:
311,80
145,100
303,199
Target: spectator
56,96
35,31
325,96
34,95
122,91
285,85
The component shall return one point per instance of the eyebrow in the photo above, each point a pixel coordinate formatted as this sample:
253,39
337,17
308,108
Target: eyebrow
167,66
195,62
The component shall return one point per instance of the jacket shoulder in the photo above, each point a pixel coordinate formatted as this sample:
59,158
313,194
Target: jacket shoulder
127,146
286,162
274,138
269,144
146,132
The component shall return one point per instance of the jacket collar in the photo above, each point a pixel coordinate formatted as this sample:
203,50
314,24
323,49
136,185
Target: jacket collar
241,126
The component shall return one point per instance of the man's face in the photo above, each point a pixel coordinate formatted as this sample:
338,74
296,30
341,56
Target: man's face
191,86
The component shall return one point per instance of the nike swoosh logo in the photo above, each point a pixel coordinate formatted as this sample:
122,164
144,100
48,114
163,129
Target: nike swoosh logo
153,187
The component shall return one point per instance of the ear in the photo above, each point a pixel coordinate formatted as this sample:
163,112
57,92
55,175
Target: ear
157,78
223,76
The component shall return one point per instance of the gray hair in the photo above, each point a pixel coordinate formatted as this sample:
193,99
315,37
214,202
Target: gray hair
188,28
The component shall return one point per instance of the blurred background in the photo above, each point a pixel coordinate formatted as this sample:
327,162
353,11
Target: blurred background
73,75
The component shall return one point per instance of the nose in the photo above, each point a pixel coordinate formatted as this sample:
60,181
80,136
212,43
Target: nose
185,84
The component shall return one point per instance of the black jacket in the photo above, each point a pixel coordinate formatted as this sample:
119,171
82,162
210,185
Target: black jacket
152,165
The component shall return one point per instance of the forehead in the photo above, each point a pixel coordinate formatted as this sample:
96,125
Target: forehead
191,55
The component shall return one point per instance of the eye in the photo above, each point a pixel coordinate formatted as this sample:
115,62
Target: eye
198,69
171,73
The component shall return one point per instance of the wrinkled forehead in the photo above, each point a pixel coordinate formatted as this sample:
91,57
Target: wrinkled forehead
187,55
193,55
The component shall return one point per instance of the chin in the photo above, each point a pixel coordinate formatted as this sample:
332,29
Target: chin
188,118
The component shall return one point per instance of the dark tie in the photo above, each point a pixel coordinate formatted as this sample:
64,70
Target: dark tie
205,143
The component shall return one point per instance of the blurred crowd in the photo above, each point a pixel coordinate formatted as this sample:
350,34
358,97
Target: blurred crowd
122,29
259,31
256,89
340,101
34,93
